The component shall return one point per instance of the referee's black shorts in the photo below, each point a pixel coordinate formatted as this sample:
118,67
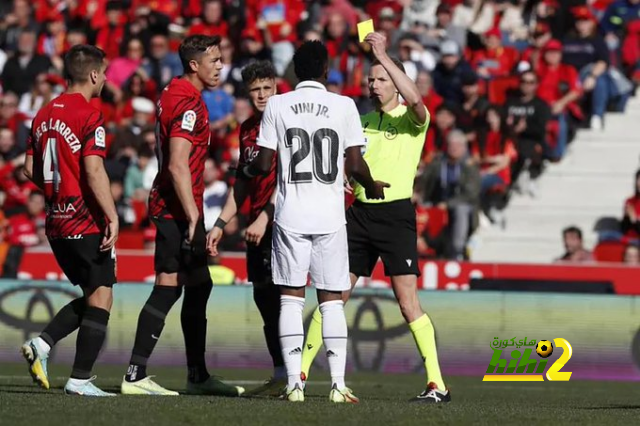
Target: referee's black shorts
174,255
83,263
382,230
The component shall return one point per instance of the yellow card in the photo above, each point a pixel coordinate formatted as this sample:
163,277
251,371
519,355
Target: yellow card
364,29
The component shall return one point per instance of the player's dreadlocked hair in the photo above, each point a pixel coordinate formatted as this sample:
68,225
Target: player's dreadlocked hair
259,70
80,60
193,47
310,61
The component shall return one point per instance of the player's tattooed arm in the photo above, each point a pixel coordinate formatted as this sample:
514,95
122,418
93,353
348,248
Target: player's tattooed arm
357,168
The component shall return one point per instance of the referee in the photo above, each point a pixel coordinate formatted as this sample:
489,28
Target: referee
386,228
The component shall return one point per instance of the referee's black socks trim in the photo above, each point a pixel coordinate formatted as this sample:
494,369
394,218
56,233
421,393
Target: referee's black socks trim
150,325
93,330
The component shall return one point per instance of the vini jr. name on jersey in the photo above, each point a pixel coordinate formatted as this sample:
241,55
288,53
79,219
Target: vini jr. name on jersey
310,108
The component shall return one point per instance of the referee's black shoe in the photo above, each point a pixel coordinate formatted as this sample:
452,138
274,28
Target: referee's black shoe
433,395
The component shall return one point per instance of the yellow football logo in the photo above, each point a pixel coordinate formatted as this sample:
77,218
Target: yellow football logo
544,348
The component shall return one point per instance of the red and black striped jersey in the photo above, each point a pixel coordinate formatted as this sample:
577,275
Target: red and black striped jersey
260,187
62,134
181,113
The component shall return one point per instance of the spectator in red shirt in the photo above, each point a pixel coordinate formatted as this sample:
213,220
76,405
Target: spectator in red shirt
375,7
341,7
336,35
494,60
353,63
52,42
496,154
50,10
630,224
137,86
24,227
281,18
445,122
212,23
15,185
539,39
560,87
111,36
429,96
25,230
14,120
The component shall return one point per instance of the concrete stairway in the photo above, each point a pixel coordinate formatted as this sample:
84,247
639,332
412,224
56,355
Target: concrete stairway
592,182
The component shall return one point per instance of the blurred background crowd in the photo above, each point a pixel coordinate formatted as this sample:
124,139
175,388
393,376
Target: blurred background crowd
507,83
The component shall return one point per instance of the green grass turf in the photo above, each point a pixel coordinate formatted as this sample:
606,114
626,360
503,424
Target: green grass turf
383,402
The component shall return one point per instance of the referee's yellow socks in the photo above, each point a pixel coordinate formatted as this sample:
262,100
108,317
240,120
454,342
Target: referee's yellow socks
313,343
424,334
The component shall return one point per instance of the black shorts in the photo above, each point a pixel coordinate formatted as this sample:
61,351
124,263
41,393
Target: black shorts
174,255
385,230
83,263
259,260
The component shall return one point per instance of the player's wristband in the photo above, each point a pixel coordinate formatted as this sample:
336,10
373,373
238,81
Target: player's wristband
220,223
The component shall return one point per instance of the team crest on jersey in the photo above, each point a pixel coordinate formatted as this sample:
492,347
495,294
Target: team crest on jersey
101,137
391,132
189,120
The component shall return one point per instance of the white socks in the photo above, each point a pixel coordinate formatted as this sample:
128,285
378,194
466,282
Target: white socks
334,334
292,338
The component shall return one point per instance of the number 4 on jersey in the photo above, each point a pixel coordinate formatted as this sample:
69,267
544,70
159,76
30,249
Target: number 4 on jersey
50,167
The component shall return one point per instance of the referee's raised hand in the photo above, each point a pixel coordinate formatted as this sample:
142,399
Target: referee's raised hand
378,44
376,191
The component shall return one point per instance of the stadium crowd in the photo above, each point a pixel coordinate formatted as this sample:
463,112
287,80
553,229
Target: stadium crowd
507,84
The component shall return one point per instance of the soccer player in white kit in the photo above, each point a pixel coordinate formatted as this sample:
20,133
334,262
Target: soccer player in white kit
317,136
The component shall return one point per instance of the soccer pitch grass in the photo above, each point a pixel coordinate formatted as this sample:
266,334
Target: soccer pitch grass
383,402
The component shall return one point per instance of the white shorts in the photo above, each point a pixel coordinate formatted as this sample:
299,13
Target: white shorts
324,257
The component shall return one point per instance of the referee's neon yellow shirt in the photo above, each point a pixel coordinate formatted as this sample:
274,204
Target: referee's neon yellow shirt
393,151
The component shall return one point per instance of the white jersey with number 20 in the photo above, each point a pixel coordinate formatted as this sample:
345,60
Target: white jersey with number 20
310,128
